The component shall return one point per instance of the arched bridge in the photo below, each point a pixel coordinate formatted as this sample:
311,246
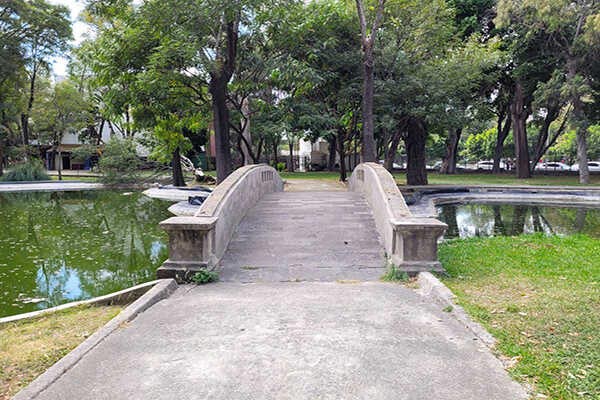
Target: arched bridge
251,230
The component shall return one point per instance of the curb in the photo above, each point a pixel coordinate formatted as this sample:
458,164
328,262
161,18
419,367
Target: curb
432,287
163,289
121,297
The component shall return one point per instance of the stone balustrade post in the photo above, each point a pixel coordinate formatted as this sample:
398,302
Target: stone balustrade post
191,244
415,243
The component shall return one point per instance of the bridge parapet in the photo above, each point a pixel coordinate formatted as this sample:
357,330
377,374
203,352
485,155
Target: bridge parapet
411,242
198,242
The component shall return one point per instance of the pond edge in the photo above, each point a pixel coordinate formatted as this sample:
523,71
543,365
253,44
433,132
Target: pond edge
160,290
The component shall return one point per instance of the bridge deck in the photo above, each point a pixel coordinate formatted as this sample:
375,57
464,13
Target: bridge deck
307,236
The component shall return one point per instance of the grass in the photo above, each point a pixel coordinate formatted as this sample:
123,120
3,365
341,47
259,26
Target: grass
28,348
540,297
321,175
500,179
434,178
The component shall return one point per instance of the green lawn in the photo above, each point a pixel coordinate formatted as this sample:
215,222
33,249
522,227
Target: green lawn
540,297
434,178
30,347
500,179
459,179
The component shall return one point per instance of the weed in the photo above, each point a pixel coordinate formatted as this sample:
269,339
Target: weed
205,276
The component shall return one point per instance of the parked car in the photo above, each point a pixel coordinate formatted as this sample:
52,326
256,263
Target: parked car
489,165
552,166
593,166
394,165
435,167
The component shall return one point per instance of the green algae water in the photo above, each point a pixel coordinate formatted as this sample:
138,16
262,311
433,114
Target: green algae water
65,246
472,219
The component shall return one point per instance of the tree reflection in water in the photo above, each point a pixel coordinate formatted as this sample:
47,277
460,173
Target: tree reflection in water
58,247
469,220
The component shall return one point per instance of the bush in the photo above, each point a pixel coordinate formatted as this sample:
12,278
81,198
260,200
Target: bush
204,276
82,153
31,170
280,166
119,162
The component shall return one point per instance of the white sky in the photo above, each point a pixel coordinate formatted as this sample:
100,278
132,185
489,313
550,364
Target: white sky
59,64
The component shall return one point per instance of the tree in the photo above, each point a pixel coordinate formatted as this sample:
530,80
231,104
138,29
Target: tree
63,110
368,34
568,33
43,30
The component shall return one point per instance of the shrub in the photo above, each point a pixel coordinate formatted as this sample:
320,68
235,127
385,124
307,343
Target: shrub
204,276
82,153
31,170
394,274
119,162
280,166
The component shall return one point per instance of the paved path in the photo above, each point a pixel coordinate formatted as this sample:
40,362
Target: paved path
289,341
64,186
315,236
299,314
314,185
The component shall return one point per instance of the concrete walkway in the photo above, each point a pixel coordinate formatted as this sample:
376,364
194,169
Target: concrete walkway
64,186
299,313
289,341
300,236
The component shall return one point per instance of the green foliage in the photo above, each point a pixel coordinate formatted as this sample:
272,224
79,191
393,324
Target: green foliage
82,153
204,276
31,170
119,162
480,146
566,146
394,274
280,166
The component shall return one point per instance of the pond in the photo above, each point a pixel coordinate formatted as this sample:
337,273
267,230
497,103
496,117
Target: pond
65,246
473,219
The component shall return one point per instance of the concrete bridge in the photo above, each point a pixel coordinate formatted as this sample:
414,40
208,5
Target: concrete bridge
299,312
250,230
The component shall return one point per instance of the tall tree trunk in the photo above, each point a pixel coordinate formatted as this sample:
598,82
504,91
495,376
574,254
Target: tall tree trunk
332,141
291,158
581,125
342,153
247,137
502,134
177,170
416,173
60,163
519,119
25,115
275,151
449,162
368,151
390,155
218,91
368,139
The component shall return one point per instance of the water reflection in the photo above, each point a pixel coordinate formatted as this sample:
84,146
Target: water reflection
59,247
468,220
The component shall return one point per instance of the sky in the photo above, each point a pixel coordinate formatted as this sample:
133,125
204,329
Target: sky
79,30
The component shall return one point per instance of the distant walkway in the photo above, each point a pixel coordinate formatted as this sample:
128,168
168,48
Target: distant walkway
314,185
48,186
315,236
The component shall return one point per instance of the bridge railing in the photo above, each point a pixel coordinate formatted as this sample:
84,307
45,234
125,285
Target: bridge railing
410,242
198,242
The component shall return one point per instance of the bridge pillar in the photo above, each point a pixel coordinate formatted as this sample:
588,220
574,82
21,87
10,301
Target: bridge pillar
410,242
198,242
